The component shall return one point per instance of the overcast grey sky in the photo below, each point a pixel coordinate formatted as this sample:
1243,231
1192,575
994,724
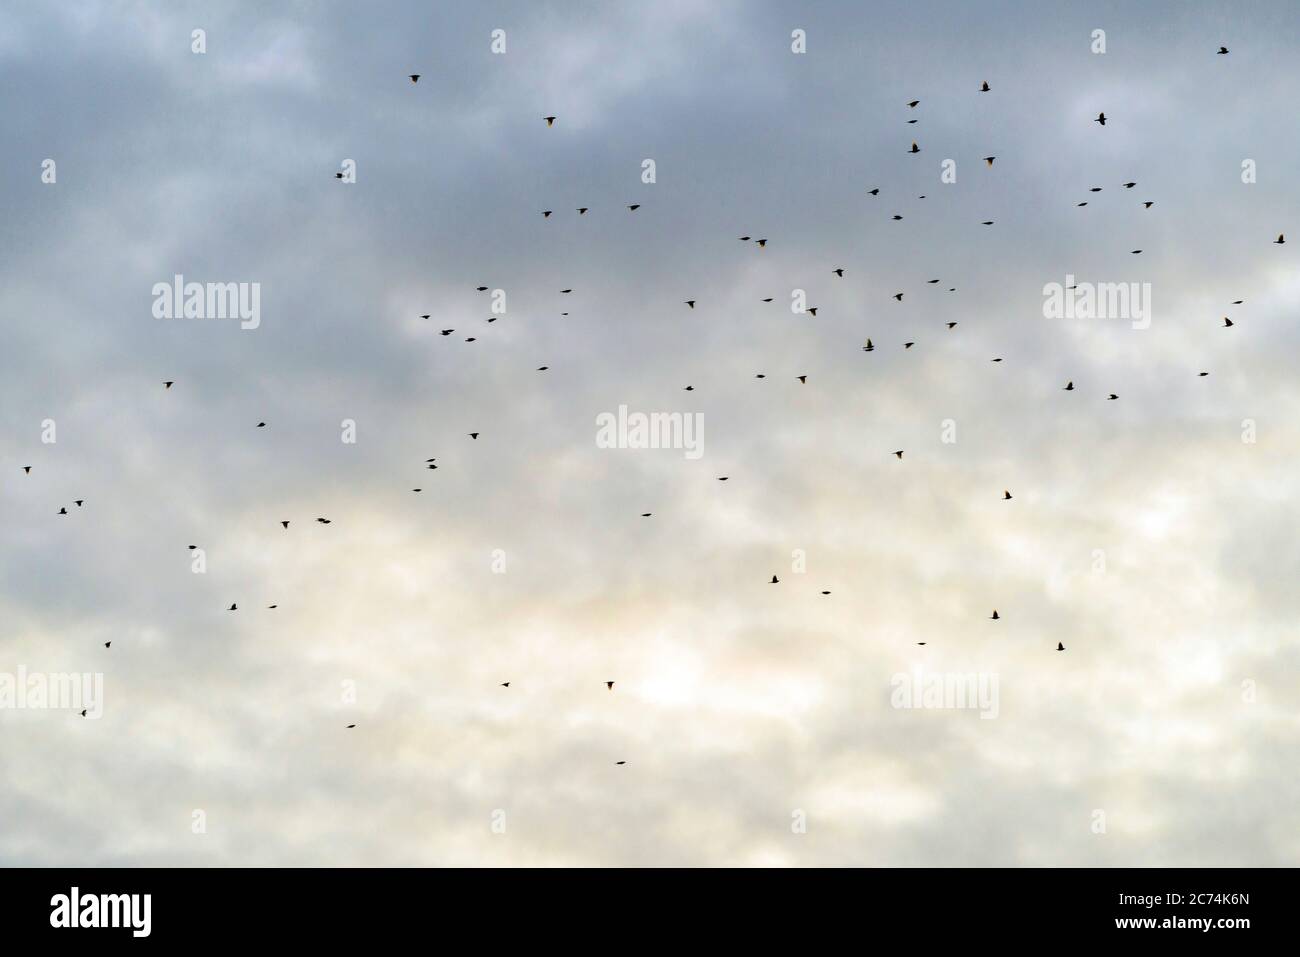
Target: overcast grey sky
739,705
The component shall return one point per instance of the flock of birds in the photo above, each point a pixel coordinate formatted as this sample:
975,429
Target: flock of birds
760,243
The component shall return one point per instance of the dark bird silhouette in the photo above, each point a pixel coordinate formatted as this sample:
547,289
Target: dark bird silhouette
546,213
323,521
913,104
915,148
473,435
1101,118
582,210
1280,240
505,684
550,120
1006,496
609,685
415,77
1228,323
838,272
899,453
802,378
1112,397
233,607
984,87
1147,205
27,470
995,616
634,207
1059,646
63,511
1069,386
691,303
1223,51
108,644
868,347
285,524
774,581
989,159
168,385
874,192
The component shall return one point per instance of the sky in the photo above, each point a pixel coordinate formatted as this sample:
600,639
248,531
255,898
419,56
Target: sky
1151,535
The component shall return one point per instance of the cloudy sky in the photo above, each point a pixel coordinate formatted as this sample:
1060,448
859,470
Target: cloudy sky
1149,535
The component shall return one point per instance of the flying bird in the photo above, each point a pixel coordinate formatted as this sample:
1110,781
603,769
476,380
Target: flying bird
550,120
1101,118
415,77
984,87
